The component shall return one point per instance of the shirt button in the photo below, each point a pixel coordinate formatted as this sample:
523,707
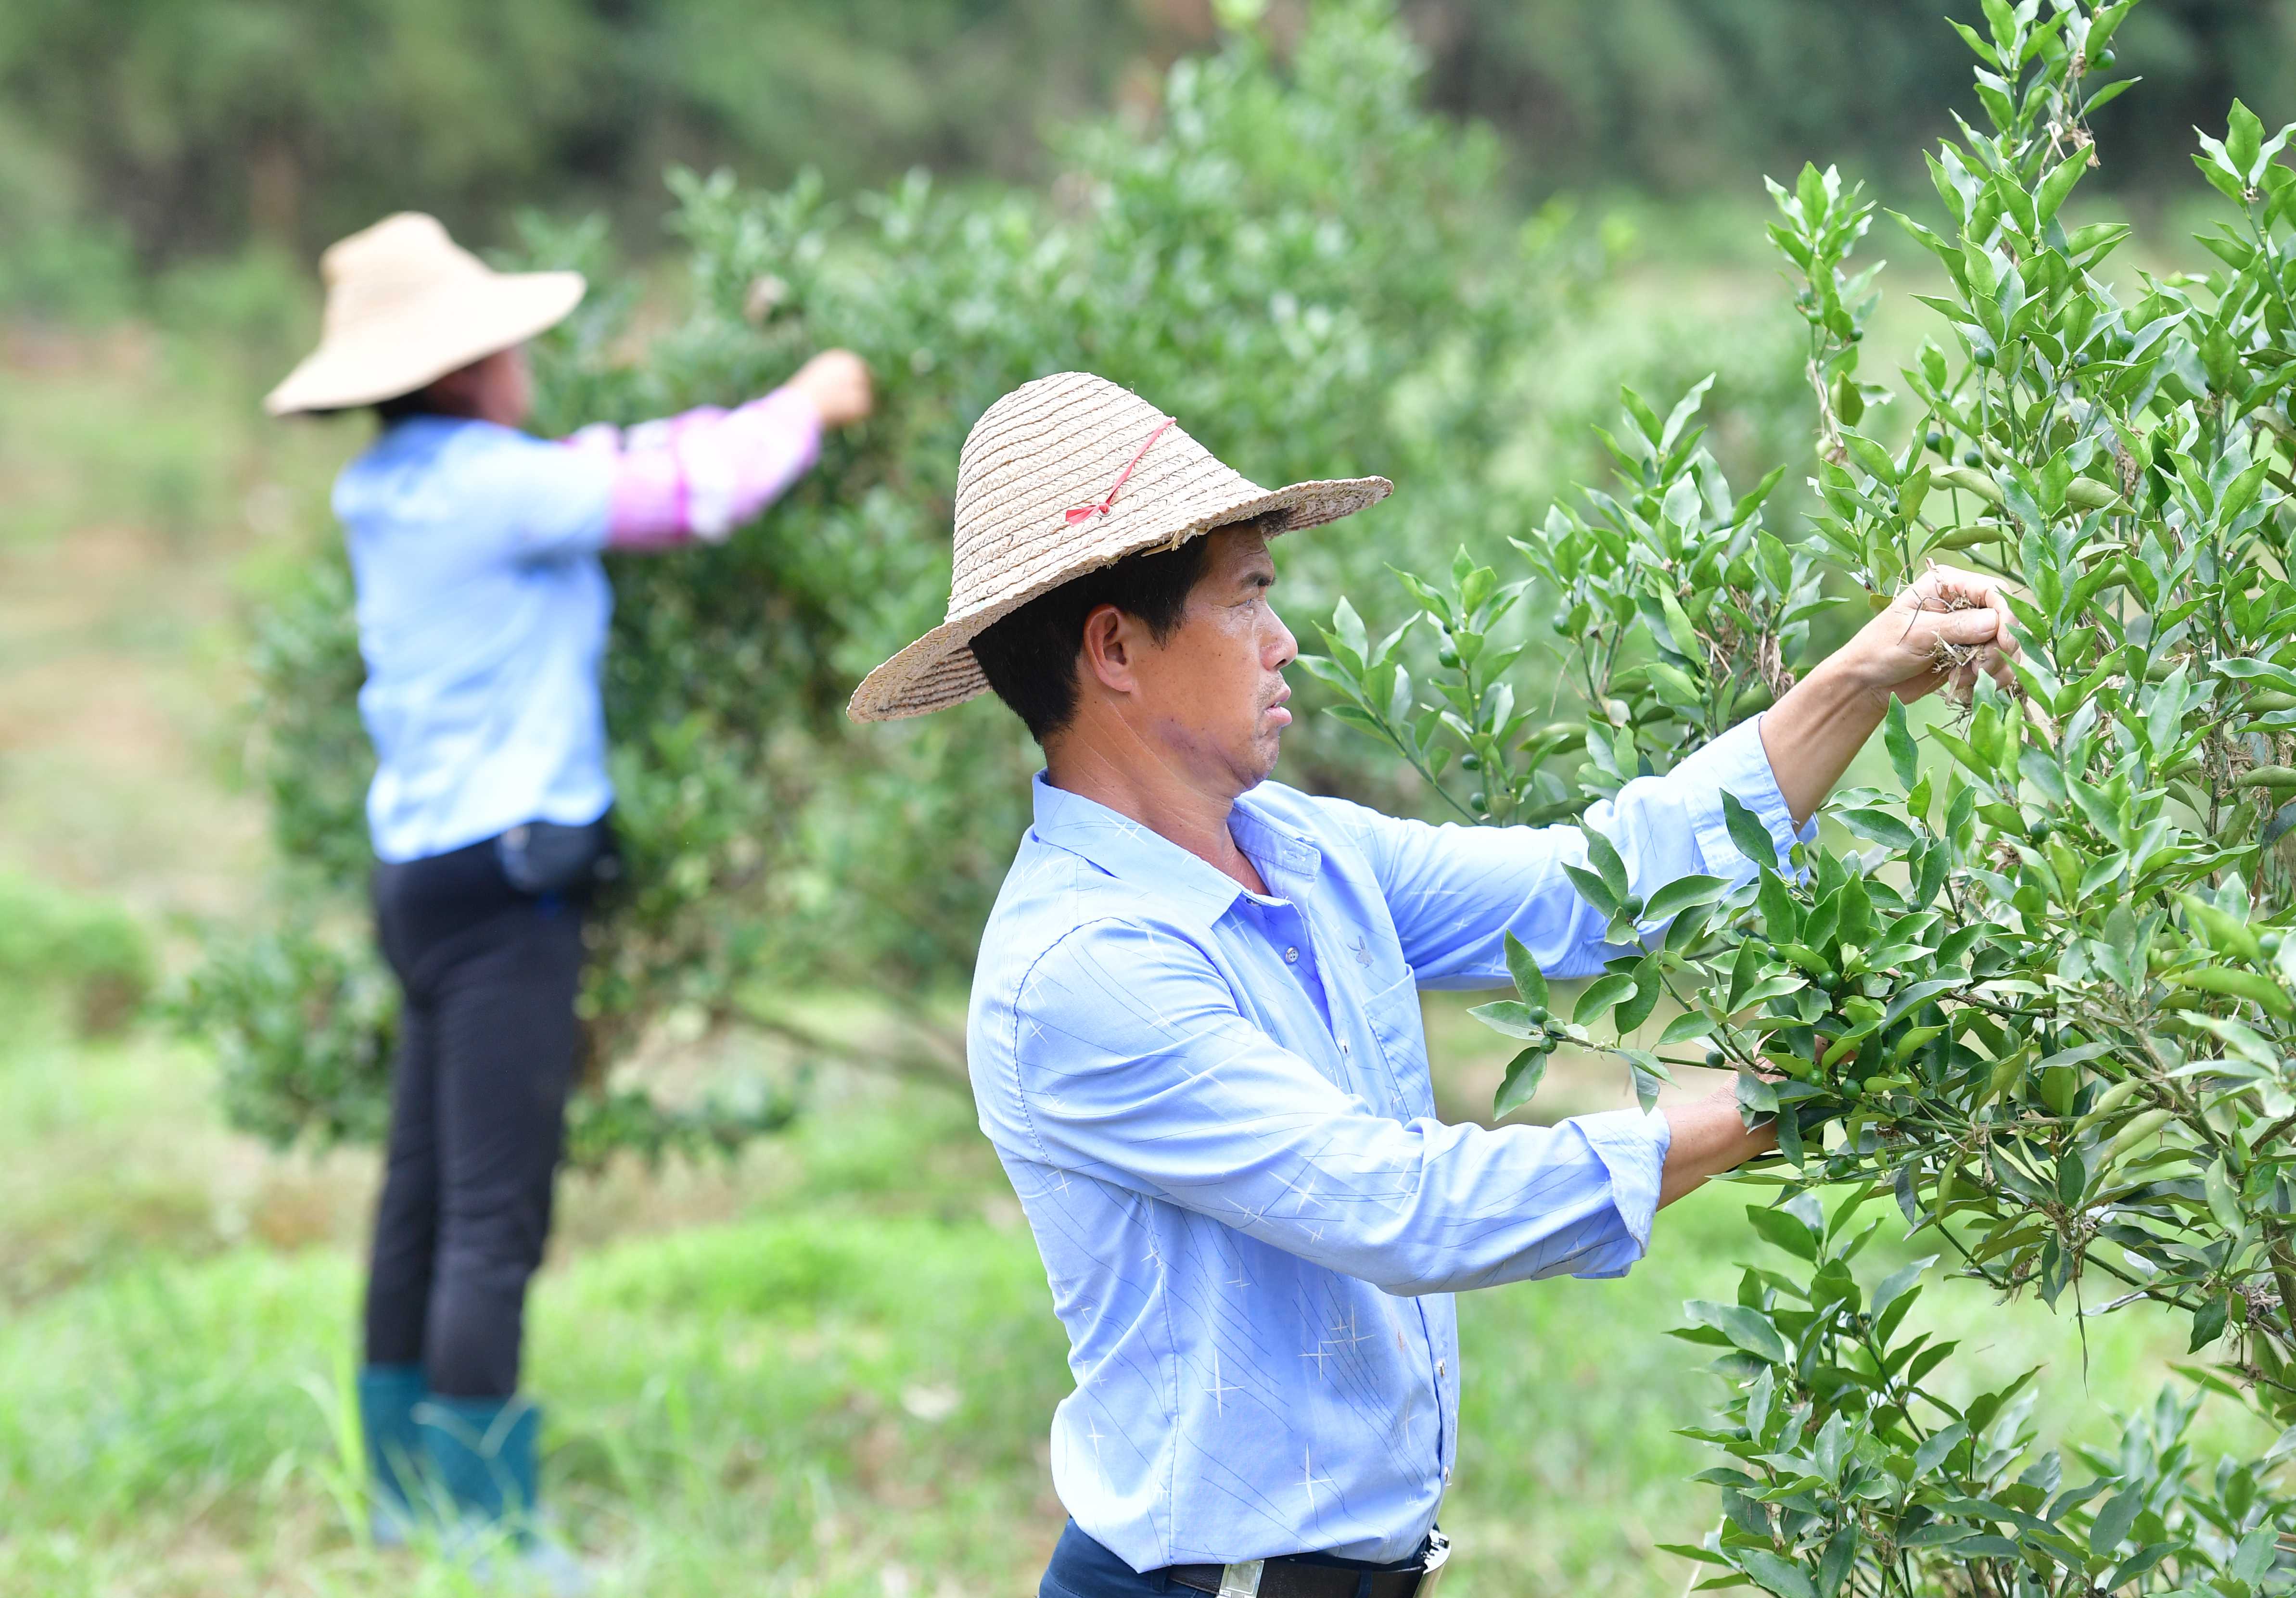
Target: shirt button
1438,1368
1291,956
1343,1045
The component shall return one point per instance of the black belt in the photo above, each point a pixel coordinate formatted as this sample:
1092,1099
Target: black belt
1308,1576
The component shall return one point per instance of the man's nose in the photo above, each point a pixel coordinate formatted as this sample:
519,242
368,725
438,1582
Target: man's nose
1282,648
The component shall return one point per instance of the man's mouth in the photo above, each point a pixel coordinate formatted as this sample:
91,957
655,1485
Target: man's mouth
1281,717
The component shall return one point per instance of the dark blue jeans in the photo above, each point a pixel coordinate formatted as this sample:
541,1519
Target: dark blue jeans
1083,1569
488,1046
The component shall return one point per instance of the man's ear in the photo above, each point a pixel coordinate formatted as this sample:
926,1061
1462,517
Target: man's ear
1111,643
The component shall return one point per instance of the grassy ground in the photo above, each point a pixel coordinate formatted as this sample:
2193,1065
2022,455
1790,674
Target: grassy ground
825,1368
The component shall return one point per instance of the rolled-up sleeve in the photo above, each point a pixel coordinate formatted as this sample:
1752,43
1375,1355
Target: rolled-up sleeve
1456,891
705,471
1131,1062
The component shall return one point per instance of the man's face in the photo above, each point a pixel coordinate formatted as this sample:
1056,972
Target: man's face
1211,696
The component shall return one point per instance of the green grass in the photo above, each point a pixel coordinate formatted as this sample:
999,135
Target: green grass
826,1369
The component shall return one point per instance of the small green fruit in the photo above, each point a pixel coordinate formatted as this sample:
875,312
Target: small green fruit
1562,622
1471,761
1634,904
1540,1015
2269,943
1715,1059
1970,458
2105,61
1827,982
1985,357
1934,440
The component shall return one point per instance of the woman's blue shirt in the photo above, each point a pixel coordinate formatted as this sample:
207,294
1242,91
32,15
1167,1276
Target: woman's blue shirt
482,615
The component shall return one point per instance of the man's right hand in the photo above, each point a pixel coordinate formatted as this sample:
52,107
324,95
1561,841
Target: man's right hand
837,381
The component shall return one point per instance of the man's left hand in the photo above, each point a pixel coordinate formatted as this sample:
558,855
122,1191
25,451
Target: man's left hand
1940,632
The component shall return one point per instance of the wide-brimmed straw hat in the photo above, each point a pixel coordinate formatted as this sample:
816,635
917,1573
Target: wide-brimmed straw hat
1062,476
405,306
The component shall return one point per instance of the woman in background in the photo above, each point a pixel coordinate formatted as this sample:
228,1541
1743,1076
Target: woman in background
482,616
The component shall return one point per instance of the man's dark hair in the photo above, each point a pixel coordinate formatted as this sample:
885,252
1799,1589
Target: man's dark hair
398,407
1030,658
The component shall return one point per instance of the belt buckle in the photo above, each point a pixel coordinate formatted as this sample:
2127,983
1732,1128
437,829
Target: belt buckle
1240,1581
1439,1556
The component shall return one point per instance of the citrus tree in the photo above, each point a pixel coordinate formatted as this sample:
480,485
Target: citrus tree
2036,994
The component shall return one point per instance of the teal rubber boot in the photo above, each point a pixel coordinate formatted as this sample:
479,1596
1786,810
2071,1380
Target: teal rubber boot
480,1455
387,1397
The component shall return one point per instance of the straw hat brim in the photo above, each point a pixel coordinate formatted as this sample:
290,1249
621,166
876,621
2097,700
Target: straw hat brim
424,339
939,669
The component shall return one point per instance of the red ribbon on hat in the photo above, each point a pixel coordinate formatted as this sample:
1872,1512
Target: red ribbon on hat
1086,513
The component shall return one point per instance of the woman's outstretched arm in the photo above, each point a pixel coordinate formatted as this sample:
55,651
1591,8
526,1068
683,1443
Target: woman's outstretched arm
704,472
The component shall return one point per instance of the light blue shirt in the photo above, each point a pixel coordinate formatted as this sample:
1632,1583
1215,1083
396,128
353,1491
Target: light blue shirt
483,613
1216,1110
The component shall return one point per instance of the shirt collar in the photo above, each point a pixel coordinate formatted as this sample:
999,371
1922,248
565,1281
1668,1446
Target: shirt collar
1130,852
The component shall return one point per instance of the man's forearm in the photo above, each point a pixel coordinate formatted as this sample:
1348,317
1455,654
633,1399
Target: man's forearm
1707,1138
1813,733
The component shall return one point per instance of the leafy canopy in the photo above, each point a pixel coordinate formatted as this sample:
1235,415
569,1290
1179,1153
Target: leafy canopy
2039,992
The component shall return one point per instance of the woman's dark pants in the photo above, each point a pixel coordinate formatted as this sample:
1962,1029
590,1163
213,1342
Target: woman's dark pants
488,1046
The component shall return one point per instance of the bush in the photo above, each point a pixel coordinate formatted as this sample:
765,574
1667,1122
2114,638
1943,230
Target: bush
1320,278
90,955
2048,1011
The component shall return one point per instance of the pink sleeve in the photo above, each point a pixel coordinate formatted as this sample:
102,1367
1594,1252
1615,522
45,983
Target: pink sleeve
704,472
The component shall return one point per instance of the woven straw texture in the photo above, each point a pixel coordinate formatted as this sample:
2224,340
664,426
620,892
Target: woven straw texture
405,306
1050,446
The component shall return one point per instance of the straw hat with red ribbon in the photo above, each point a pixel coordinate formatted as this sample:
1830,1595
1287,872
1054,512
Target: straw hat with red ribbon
405,306
1060,477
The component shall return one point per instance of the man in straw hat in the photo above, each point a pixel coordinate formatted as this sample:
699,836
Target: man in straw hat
1195,1033
483,613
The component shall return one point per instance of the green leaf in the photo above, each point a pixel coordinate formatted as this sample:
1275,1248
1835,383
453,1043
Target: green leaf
1679,632
1786,1230
1650,987
1871,821
1746,1329
1905,757
1937,1446
2255,1554
1601,994
1347,627
1523,1075
2113,1522
1593,889
2059,183
1899,1282
1530,981
1774,1573
2208,1324
2222,1190
1686,1027
1747,831
1681,894
1604,857
1509,1017
1840,1554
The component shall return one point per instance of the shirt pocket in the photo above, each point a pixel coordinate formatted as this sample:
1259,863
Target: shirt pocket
1392,1014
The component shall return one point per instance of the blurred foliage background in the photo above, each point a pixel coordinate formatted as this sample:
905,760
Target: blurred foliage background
135,133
